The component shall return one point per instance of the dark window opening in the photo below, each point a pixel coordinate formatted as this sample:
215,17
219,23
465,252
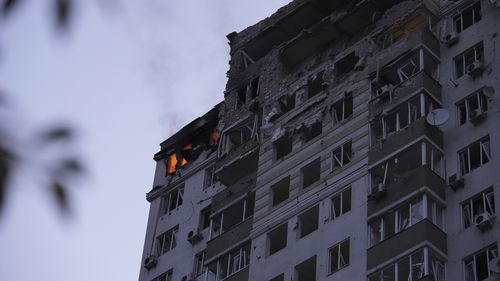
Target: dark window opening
277,238
306,271
342,109
315,84
308,221
312,131
467,17
281,190
347,63
311,173
242,96
254,87
205,218
283,146
287,102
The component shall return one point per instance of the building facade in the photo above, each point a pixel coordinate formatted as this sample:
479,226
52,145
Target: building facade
356,141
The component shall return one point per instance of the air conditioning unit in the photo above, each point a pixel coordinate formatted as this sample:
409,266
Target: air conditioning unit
384,91
377,191
455,182
483,221
495,265
475,68
150,262
476,116
451,38
194,236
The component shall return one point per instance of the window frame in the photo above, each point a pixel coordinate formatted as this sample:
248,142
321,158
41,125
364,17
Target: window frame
340,195
464,155
347,101
472,260
487,205
338,164
462,60
482,102
459,17
166,200
338,248
171,235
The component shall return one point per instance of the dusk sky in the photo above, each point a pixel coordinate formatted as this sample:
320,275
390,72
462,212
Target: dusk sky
125,77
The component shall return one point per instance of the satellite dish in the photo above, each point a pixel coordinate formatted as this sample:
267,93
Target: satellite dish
438,116
489,92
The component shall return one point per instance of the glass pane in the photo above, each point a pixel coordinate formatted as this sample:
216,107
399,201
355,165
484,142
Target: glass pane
403,218
375,232
482,271
344,254
334,259
346,201
417,211
469,271
417,265
439,217
389,274
467,215
336,206
404,269
389,225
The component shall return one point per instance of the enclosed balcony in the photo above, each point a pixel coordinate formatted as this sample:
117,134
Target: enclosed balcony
238,151
418,165
417,84
395,131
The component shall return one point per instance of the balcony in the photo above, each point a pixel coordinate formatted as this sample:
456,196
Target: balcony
420,82
417,39
228,239
424,231
412,181
346,22
397,140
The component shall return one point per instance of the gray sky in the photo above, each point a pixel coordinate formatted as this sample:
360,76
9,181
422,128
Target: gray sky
126,80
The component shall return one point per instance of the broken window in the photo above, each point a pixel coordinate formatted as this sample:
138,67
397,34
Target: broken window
390,37
238,135
209,179
246,60
315,84
339,256
465,62
474,155
308,221
277,238
230,263
347,63
406,215
281,190
310,128
280,277
173,164
342,109
167,276
412,267
311,173
478,205
467,17
205,218
232,215
167,241
283,146
472,107
342,155
287,102
341,203
172,200
242,97
306,270
407,70
254,87
477,266
199,260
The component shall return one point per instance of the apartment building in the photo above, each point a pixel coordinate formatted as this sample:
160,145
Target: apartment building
357,140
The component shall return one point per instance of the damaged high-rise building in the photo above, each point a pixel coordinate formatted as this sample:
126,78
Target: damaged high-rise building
356,141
